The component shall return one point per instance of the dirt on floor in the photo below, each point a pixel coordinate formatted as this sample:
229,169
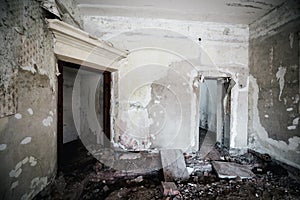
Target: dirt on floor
94,180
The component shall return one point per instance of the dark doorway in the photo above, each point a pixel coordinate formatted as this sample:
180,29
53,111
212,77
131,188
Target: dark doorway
83,111
214,114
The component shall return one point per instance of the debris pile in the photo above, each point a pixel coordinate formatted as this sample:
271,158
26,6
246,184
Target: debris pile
182,176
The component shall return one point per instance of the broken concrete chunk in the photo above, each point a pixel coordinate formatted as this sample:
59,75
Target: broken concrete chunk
173,164
169,189
130,156
213,155
232,170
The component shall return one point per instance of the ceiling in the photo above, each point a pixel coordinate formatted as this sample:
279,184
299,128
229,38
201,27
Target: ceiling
224,11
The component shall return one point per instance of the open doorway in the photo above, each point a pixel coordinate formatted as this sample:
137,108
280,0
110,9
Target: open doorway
214,113
83,112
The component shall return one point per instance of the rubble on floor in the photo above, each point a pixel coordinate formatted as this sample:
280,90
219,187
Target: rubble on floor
268,179
169,189
232,170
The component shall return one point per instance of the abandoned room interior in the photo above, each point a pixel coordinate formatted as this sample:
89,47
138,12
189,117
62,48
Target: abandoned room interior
162,99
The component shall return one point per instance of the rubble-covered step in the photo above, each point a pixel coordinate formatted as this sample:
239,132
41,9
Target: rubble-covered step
173,163
232,170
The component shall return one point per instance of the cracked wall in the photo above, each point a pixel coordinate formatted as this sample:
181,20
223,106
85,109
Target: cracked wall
156,90
28,141
274,84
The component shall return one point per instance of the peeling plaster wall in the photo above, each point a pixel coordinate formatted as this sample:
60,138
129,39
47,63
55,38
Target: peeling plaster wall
274,84
28,133
156,91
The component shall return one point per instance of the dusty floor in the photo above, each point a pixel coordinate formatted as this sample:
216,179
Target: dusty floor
93,180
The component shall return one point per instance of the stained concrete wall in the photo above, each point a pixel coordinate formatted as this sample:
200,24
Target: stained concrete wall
274,84
28,133
156,91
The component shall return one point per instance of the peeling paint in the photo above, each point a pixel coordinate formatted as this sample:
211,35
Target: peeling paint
15,173
38,182
3,147
32,161
291,127
26,140
289,109
29,68
18,116
296,121
42,71
294,142
14,185
25,160
218,39
259,139
296,99
30,111
280,77
48,121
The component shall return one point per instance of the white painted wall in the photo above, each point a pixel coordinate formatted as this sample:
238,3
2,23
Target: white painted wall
158,101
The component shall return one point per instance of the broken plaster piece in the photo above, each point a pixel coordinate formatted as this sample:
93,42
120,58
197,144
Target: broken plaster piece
32,161
3,147
29,68
14,185
30,111
57,73
18,116
38,182
15,173
47,121
26,140
291,127
25,160
296,99
173,163
232,170
296,121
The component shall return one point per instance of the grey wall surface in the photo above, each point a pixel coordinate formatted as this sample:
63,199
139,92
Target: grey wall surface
28,128
69,128
274,84
88,110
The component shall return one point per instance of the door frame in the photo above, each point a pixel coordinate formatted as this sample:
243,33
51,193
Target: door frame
106,106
